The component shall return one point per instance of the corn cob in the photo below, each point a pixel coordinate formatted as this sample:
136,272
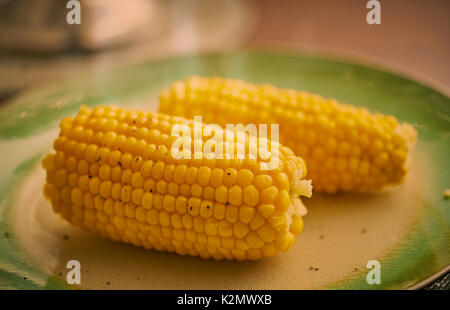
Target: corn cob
113,173
345,148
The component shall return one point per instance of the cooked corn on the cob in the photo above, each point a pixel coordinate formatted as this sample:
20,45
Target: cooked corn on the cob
345,148
113,173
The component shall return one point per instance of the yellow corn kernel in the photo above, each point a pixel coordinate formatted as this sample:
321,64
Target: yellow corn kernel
266,210
141,214
206,209
161,187
119,208
181,205
176,220
208,193
231,214
235,195
256,222
136,196
254,241
219,211
229,177
225,229
240,230
251,195
297,225
269,195
211,227
266,233
130,210
283,200
198,224
169,203
104,172
216,177
77,196
246,214
194,206
83,182
191,175
222,194
244,177
196,190
152,217
204,174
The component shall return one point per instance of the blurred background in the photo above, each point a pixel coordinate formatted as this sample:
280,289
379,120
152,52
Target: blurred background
37,45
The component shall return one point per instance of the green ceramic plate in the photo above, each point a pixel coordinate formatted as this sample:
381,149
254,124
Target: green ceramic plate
406,229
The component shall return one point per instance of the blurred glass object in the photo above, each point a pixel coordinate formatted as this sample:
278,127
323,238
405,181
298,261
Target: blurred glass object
37,44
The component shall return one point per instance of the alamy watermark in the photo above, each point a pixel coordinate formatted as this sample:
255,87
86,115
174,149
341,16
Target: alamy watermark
74,274
374,15
374,275
74,15
236,141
